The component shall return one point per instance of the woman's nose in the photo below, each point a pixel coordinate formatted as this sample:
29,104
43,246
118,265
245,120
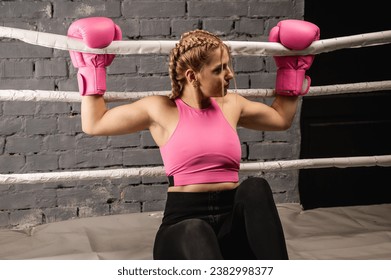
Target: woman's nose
229,74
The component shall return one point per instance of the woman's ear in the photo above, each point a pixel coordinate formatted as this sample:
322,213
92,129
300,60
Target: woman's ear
190,76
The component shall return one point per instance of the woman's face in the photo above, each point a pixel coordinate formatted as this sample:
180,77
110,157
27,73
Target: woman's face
214,77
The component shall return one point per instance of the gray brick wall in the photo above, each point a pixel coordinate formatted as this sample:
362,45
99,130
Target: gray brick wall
47,136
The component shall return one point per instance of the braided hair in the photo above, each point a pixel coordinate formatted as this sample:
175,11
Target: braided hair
192,51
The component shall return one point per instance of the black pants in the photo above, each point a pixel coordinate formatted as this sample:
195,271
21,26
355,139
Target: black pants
236,224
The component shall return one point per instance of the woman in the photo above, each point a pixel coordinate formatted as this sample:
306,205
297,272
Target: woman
209,214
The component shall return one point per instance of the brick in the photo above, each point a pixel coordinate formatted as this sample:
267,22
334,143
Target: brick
23,50
217,9
20,144
58,214
142,157
26,218
86,196
248,64
93,210
41,126
278,136
282,181
156,205
270,151
270,65
147,140
28,196
41,162
10,125
17,201
25,9
250,135
90,143
125,208
55,26
124,141
271,9
157,83
4,219
242,81
60,142
16,69
263,80
51,68
155,192
154,180
108,158
123,65
154,64
250,26
27,84
11,163
130,27
70,125
44,198
67,160
53,108
180,26
116,83
145,193
244,149
219,26
155,27
89,8
154,9
19,24
69,84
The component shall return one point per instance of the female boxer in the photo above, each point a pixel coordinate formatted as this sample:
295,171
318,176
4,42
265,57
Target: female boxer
209,213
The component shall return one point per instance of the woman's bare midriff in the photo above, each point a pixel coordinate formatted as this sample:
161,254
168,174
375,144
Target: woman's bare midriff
210,187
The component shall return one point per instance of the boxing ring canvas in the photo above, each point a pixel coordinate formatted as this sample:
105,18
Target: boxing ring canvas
335,233
348,232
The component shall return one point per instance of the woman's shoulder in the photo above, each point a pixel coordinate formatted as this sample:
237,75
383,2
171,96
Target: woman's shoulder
158,105
231,98
158,100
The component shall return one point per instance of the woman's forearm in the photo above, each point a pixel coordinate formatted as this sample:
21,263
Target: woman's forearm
93,109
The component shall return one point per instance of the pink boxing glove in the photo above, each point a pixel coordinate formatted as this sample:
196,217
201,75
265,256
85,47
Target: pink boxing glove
96,32
294,35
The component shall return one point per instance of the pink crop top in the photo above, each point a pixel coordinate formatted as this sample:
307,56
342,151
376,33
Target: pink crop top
204,147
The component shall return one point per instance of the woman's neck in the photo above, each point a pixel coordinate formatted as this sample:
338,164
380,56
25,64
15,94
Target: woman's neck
195,99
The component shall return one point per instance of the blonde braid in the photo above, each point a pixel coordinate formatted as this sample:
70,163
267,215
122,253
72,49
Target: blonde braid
192,52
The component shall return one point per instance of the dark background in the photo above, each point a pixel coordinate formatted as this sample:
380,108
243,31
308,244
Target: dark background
347,125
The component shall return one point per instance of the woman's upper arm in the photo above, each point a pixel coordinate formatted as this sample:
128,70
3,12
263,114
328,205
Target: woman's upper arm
123,119
259,116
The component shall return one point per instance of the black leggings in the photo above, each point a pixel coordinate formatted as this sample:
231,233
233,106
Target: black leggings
238,224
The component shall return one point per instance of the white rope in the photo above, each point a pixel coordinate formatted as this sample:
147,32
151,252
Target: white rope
338,162
164,46
350,88
70,96
56,177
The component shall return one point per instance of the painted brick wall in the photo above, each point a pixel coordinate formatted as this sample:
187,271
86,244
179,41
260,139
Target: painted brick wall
47,136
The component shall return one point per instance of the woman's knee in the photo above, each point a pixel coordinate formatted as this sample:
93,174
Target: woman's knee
254,187
188,239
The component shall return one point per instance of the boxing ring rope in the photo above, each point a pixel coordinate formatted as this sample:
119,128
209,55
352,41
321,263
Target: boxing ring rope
56,177
68,96
163,47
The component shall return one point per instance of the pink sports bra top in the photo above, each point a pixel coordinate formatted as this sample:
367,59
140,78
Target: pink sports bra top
204,148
